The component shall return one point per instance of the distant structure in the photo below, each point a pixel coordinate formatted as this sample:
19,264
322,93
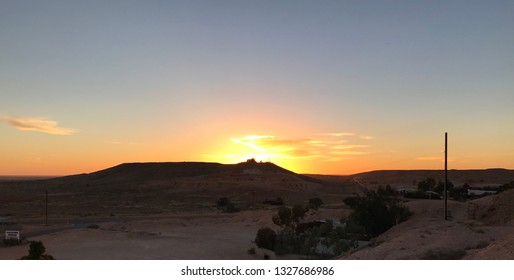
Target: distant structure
12,236
11,231
472,192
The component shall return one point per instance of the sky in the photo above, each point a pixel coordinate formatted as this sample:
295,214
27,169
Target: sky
327,87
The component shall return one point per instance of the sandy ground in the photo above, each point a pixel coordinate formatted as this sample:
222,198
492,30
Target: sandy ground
206,236
194,236
427,234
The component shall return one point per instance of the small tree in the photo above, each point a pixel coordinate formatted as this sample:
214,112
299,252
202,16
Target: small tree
426,185
266,238
37,252
377,213
298,212
284,217
440,187
388,190
315,203
279,200
226,206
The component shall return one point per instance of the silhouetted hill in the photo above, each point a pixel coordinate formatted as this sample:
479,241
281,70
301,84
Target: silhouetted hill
475,178
172,186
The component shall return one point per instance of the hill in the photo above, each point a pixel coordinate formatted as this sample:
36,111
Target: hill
154,188
409,178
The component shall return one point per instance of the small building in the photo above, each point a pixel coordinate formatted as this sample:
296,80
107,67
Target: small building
12,236
12,232
404,190
472,192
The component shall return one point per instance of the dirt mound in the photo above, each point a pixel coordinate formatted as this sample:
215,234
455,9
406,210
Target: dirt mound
502,249
499,209
426,235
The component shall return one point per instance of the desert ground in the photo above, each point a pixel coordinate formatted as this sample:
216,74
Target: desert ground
209,235
486,234
158,211
168,211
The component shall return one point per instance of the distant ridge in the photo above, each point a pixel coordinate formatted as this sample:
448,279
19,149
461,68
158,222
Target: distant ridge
144,171
474,177
158,187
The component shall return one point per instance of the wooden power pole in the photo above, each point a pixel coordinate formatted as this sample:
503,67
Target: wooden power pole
46,208
446,175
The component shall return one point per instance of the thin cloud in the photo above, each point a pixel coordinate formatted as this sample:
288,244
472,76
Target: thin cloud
429,158
118,143
328,146
349,153
348,147
37,124
337,134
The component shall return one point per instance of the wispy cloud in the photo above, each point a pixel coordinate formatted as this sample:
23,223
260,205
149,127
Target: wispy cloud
325,146
429,158
37,124
118,143
337,134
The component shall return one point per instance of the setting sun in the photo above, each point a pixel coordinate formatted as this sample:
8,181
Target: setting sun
315,89
297,154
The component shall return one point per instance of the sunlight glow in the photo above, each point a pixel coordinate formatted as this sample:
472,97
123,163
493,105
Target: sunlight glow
297,154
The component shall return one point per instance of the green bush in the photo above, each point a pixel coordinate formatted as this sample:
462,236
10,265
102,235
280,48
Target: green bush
37,252
284,217
297,213
377,213
315,203
266,238
226,206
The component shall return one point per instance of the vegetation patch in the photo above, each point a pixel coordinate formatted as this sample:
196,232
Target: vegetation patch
37,252
226,206
375,213
322,239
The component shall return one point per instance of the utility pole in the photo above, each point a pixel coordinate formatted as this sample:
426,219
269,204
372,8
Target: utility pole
446,175
46,208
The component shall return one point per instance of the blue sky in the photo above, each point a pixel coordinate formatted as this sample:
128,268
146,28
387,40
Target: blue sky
169,74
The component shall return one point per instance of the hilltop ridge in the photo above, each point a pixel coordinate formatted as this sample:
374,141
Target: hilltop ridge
158,187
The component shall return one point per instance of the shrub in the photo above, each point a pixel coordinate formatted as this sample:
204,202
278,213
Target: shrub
297,213
315,203
266,238
37,252
278,201
226,206
377,213
284,217
388,190
426,185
